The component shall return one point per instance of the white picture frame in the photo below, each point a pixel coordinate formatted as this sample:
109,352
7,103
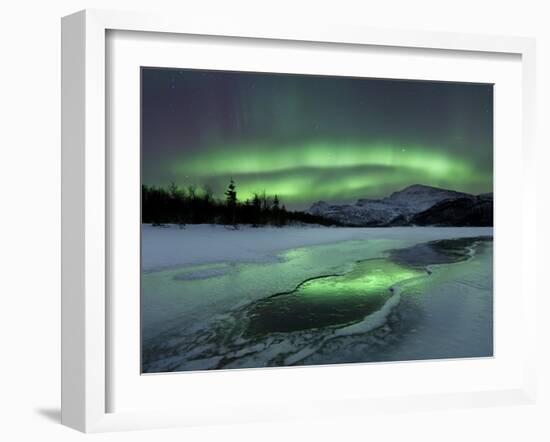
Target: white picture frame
85,202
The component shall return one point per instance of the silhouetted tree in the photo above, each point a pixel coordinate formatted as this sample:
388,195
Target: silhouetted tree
176,209
173,190
192,191
276,211
231,201
283,216
276,203
265,202
195,205
256,210
208,194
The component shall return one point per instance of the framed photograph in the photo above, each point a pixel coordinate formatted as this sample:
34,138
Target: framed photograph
262,222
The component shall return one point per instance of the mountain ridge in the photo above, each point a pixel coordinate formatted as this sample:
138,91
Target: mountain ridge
417,204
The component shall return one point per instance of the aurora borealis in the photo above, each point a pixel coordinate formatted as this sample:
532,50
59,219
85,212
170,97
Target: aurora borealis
309,138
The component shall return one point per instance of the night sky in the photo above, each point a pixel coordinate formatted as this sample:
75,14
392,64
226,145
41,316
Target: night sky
309,138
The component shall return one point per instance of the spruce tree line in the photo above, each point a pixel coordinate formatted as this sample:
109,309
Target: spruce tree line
197,205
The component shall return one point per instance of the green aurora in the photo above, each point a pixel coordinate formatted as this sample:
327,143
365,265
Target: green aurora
322,170
310,138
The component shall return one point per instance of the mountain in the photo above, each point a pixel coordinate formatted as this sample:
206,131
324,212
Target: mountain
414,205
476,211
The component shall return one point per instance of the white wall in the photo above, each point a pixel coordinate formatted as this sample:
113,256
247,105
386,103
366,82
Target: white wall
29,215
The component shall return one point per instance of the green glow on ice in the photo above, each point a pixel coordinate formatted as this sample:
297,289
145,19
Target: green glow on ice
331,300
368,278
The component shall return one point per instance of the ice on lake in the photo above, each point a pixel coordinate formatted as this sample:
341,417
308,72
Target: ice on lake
220,298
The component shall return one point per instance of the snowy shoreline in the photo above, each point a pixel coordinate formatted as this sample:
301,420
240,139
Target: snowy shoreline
169,246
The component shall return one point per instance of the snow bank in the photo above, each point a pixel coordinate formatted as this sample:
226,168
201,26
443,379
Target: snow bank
170,246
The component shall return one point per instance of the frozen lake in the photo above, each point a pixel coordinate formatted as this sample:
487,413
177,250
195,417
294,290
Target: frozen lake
218,298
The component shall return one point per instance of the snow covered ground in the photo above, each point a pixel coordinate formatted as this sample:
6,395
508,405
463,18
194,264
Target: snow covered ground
203,287
170,246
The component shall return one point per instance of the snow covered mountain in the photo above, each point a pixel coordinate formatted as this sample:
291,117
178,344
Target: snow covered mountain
414,205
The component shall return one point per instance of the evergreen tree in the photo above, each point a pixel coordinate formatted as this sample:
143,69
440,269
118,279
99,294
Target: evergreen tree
265,202
231,202
197,205
283,217
192,191
173,190
208,194
256,210
276,203
275,210
192,203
